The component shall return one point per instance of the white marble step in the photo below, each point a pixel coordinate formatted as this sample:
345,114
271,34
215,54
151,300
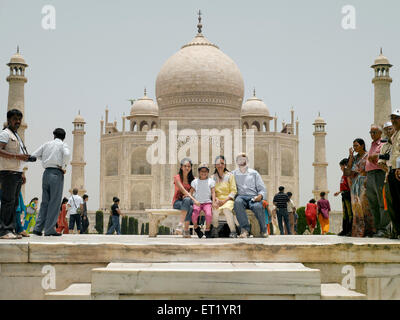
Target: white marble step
76,291
217,279
334,291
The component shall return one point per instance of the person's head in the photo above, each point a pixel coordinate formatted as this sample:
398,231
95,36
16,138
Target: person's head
75,191
14,119
312,201
34,200
343,163
289,194
281,189
116,200
64,201
59,133
220,165
375,132
388,129
203,171
395,118
186,169
322,195
242,160
359,145
85,197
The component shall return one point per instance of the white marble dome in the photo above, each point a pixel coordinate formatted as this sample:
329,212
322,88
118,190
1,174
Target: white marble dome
144,106
79,119
254,107
17,59
381,59
199,73
319,119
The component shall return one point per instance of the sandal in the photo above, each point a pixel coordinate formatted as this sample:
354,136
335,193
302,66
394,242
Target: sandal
24,234
9,236
186,234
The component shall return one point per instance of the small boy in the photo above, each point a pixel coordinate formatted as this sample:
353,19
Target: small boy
346,201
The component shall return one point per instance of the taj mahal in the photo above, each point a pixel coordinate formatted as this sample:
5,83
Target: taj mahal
199,87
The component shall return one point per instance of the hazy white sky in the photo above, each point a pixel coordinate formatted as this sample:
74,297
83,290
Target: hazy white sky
295,53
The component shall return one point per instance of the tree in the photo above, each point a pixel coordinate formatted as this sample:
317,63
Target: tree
99,222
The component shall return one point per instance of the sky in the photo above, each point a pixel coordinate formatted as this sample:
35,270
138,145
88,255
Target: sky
295,53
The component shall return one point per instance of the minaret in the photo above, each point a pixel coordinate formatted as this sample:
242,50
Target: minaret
17,80
78,156
320,164
382,81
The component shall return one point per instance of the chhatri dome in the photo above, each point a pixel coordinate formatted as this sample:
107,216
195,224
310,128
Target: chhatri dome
381,60
17,58
199,73
79,118
254,107
144,106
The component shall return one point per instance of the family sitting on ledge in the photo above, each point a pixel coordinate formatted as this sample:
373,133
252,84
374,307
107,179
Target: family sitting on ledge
224,192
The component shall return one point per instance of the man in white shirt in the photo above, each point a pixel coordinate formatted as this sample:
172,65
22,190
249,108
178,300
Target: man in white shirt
74,203
54,155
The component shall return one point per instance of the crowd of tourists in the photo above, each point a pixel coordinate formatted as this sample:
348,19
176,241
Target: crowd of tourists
370,190
370,185
51,218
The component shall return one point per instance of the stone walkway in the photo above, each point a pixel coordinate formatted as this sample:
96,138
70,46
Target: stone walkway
177,240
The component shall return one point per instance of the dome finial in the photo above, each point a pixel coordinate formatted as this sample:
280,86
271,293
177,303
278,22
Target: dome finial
199,26
381,51
254,91
17,48
145,91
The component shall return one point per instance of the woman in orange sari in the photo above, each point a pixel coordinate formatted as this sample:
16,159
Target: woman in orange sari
62,224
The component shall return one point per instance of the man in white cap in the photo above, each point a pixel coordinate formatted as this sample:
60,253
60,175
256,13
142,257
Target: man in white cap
383,163
394,173
375,181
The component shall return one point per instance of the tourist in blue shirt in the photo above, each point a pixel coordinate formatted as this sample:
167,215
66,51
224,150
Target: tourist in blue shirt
251,191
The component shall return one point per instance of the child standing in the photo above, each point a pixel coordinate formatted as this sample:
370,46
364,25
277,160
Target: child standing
323,213
311,215
346,201
203,190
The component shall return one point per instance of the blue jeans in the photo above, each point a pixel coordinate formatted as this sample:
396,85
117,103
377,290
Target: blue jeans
74,218
241,204
185,204
283,213
115,225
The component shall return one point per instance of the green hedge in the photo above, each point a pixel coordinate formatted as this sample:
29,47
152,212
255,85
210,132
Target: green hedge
131,225
142,229
147,228
302,222
99,222
124,225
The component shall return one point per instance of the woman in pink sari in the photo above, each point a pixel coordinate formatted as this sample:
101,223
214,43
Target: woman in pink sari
324,208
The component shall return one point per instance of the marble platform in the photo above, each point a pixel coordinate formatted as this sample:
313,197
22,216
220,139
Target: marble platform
374,264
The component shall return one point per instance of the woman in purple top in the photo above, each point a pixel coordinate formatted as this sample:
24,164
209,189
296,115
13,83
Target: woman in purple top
323,213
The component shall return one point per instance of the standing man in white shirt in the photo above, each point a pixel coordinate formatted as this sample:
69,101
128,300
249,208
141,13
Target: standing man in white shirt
54,155
75,203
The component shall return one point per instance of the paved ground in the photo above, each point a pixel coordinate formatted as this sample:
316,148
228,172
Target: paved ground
177,240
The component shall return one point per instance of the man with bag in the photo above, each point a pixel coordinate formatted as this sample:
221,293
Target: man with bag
75,209
12,157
